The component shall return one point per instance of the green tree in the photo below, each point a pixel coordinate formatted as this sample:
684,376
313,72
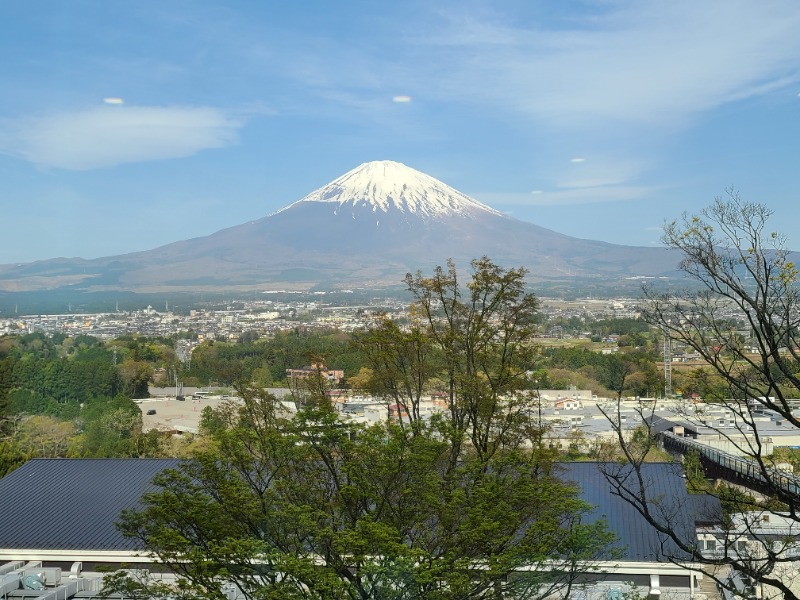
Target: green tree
135,376
615,373
43,436
11,456
400,365
111,428
458,506
483,333
308,507
262,376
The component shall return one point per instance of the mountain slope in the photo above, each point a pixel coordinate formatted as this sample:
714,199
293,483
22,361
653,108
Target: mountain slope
369,226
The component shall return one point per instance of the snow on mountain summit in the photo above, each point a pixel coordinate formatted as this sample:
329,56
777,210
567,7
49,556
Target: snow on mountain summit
386,186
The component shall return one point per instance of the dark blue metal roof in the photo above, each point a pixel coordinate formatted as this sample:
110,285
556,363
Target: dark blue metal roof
669,502
72,504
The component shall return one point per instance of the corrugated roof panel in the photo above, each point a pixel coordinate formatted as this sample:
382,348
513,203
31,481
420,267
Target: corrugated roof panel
665,486
72,504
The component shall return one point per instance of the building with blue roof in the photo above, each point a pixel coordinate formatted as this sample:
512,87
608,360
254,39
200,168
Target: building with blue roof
56,513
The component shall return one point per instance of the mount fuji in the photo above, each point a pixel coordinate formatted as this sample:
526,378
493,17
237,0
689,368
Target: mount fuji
368,227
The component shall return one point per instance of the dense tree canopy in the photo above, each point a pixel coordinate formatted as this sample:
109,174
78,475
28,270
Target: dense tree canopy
463,504
268,359
62,396
630,372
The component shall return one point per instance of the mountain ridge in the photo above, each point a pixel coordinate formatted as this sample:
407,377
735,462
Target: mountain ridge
369,226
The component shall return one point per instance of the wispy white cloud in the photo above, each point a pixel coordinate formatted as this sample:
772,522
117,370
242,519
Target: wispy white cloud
643,61
598,171
111,135
563,197
611,83
624,61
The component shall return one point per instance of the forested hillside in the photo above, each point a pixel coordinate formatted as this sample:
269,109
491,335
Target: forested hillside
63,396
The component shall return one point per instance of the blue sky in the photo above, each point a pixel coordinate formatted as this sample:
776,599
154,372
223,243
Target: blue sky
127,125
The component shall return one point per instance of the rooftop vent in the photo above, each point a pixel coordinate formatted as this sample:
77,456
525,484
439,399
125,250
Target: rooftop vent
34,581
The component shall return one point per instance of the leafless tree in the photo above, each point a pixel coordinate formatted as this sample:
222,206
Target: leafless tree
741,318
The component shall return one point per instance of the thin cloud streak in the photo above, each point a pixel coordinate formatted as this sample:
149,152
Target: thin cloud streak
586,195
652,62
109,136
643,70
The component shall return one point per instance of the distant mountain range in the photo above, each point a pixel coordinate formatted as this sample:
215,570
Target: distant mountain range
367,228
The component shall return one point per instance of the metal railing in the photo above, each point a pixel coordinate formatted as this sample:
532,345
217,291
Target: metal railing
744,468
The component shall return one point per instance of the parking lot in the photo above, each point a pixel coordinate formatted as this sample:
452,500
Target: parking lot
183,415
176,415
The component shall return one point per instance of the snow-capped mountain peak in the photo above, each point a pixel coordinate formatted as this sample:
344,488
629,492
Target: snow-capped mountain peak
387,186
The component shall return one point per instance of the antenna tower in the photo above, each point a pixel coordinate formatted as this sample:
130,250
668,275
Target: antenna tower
667,365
